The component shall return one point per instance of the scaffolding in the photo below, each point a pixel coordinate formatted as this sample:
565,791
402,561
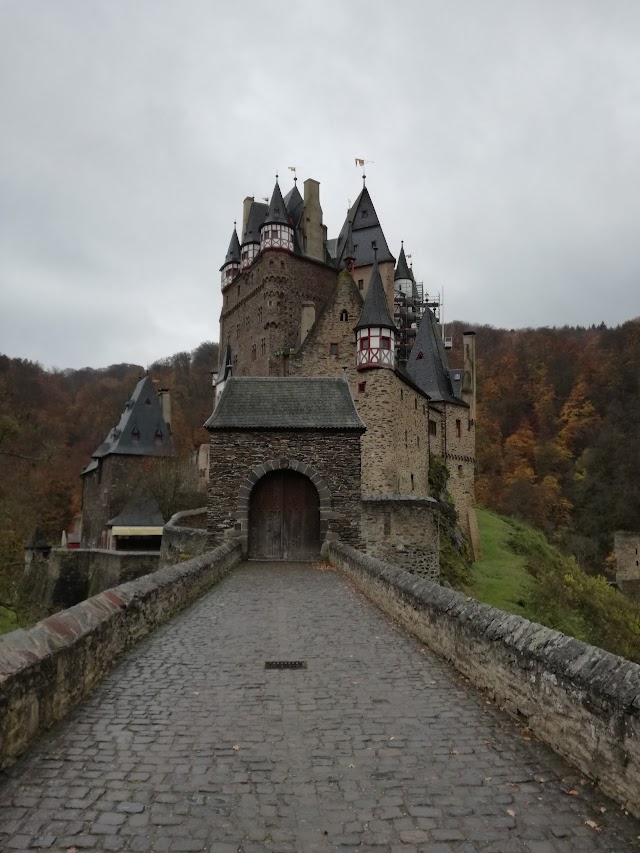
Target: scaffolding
409,309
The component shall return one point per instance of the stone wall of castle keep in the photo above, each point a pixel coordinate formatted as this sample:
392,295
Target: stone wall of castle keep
47,670
582,701
330,458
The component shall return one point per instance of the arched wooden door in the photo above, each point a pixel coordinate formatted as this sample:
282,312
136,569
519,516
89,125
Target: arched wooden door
284,517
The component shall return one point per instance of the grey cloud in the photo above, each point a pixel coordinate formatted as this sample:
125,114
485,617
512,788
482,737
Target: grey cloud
504,136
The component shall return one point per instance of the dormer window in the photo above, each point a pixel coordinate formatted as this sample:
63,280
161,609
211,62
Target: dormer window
147,402
135,434
158,436
420,356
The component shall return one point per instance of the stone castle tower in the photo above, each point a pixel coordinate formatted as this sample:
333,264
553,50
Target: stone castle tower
299,306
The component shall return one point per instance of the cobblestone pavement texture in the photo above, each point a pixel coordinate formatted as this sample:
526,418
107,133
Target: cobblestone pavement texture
190,744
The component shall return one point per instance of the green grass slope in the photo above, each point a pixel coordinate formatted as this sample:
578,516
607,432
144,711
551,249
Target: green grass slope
524,574
501,578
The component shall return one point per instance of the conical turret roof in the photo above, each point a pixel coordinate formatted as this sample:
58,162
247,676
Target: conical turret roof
295,205
428,365
277,213
402,267
233,253
375,311
257,213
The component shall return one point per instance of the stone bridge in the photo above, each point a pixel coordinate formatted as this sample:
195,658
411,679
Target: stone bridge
375,743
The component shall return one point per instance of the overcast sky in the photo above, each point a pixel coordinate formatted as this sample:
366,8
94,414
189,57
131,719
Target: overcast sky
504,135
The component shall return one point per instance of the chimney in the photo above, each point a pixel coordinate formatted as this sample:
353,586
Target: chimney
246,207
468,388
307,319
164,395
312,227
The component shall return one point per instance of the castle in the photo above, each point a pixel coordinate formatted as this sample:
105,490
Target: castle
334,393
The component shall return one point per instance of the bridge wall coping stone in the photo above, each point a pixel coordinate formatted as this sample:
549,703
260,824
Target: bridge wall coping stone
48,669
581,700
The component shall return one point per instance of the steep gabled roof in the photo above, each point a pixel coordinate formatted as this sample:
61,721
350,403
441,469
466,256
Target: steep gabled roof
257,213
233,252
285,403
428,365
141,431
138,512
375,311
277,213
366,231
402,267
295,205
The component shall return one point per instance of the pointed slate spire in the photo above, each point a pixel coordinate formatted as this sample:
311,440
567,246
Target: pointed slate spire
233,252
349,254
402,267
277,213
375,311
428,365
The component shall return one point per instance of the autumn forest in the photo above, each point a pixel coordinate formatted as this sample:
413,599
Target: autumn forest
558,443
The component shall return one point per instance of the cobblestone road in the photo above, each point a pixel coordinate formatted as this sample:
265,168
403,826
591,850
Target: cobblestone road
191,745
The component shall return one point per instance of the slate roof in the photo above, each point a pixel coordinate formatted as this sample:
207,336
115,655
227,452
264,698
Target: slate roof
140,423
375,311
428,364
402,267
233,252
285,403
295,205
139,512
257,213
366,231
277,213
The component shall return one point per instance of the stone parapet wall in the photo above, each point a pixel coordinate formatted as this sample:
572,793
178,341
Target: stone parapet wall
582,701
47,670
180,541
404,531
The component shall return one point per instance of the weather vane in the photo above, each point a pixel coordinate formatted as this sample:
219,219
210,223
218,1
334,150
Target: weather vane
362,163
295,174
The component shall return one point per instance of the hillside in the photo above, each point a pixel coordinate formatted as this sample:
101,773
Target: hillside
51,421
558,444
523,574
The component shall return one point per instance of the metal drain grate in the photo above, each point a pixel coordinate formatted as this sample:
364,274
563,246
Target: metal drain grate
285,664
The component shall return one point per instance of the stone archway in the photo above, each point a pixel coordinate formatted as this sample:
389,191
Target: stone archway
321,505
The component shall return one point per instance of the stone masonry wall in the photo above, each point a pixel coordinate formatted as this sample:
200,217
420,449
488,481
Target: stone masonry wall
394,446
263,309
404,531
314,358
68,576
627,551
180,541
47,670
332,454
582,701
460,460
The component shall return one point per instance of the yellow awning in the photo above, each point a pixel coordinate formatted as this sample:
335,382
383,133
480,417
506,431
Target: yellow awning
136,531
